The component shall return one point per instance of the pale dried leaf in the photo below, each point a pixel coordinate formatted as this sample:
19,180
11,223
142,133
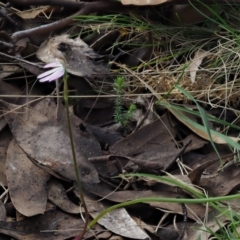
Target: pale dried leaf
32,13
196,62
117,221
8,70
27,183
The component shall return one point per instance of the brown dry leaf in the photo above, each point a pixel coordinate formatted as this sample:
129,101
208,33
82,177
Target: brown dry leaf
27,183
47,144
79,57
117,221
212,169
57,195
165,154
195,175
53,225
5,138
32,13
86,142
196,62
224,182
3,214
159,131
153,145
143,2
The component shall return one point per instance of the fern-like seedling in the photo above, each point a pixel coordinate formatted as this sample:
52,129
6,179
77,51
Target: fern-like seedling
120,115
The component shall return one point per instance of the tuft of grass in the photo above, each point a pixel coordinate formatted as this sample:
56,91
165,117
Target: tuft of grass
214,202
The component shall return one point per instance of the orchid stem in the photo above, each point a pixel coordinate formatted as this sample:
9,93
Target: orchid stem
65,90
58,96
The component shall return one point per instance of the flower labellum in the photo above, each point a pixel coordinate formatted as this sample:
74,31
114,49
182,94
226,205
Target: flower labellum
55,73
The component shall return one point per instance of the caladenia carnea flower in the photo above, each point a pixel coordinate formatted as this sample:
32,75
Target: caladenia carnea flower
57,71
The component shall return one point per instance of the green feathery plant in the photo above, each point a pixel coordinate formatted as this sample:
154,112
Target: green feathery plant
120,115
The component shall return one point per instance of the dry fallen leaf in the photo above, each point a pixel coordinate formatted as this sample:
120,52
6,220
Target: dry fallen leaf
196,62
117,221
47,144
86,142
47,226
3,213
32,13
195,175
80,59
160,131
5,138
7,70
27,183
58,196
224,182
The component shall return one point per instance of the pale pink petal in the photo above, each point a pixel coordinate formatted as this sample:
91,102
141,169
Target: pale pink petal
55,75
45,79
53,64
47,73
59,73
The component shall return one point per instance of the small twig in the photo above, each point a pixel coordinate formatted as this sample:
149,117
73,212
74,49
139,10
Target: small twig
7,45
18,59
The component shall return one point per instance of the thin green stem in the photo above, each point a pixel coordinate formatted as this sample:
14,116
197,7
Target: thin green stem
65,77
157,199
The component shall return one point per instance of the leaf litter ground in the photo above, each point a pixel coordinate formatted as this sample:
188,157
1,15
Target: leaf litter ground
153,54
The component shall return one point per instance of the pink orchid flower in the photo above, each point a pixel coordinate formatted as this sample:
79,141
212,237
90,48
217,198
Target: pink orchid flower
55,73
